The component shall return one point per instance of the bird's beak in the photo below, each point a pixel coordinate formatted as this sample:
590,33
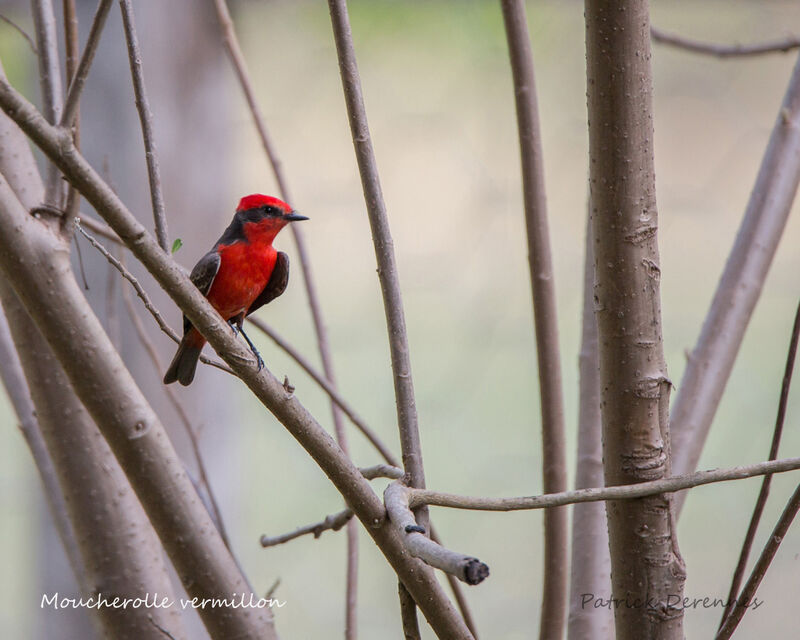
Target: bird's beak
294,217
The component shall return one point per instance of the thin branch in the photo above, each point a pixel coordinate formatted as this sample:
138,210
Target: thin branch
148,304
329,388
72,52
44,22
724,50
146,120
333,522
594,494
761,566
89,49
712,358
216,513
384,250
466,568
21,31
763,494
408,614
422,584
554,459
590,563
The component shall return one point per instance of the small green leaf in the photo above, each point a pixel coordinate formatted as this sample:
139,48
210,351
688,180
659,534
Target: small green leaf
177,244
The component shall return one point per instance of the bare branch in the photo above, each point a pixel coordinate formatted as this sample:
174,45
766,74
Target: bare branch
724,50
287,409
77,83
761,566
148,304
591,563
712,358
72,52
554,463
146,120
44,22
619,492
21,31
408,614
381,471
384,250
333,522
465,568
761,501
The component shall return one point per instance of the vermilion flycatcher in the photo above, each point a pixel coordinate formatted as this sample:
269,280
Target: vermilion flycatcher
240,274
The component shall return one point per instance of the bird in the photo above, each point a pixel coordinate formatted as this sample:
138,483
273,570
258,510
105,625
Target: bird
241,273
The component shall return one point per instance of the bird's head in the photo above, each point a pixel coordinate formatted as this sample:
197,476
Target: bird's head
265,215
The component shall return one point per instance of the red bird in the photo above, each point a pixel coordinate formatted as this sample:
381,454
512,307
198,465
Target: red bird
240,274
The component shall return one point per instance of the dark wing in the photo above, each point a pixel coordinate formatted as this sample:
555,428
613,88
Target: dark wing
202,276
276,285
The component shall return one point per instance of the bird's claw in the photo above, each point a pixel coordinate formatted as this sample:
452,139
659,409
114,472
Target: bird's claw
259,360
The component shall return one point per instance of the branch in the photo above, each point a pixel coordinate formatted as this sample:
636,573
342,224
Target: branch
72,52
465,568
21,31
335,521
590,563
761,501
619,492
761,566
44,22
89,49
554,463
723,50
146,120
737,293
286,408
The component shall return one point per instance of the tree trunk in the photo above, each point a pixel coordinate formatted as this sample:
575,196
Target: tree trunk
647,570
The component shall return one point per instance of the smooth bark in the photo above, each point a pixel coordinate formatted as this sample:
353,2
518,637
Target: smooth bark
647,569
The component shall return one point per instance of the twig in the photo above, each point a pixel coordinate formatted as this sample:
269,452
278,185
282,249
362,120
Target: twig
554,463
408,614
89,49
72,53
331,390
712,358
465,568
763,494
44,22
761,566
594,494
724,50
146,120
162,324
21,31
333,522
216,513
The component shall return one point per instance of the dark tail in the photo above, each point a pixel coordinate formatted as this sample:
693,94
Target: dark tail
184,363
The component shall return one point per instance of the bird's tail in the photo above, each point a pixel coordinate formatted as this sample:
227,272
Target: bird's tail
184,363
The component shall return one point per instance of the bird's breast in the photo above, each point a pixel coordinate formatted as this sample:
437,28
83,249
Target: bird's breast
243,273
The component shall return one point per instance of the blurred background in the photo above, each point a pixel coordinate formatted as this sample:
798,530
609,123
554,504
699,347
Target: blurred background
438,93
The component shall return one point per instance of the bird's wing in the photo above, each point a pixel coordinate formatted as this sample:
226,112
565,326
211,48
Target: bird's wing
202,276
276,284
